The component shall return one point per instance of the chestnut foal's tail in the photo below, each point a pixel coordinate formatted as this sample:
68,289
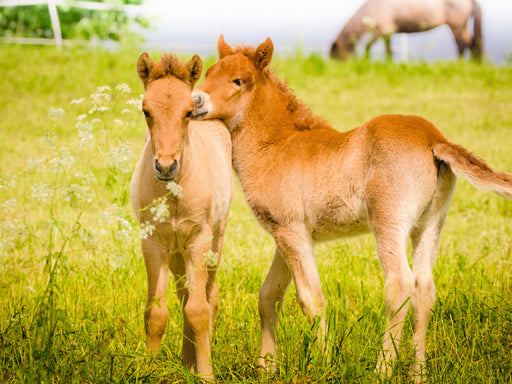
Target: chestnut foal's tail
477,171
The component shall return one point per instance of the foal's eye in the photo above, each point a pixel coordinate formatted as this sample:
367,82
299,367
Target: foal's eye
146,113
238,82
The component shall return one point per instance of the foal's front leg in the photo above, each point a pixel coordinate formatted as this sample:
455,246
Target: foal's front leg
197,311
156,313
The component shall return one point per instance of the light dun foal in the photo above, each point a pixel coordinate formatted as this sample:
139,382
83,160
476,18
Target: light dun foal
188,240
305,182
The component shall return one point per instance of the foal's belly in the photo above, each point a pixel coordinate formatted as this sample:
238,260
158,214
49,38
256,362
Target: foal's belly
340,222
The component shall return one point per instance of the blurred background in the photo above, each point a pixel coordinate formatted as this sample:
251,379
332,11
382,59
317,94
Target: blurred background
308,26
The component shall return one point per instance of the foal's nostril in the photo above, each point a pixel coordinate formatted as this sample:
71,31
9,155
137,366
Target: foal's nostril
158,167
174,167
198,100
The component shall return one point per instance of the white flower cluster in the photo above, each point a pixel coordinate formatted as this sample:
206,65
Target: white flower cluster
123,88
121,158
42,192
159,210
115,217
56,113
175,189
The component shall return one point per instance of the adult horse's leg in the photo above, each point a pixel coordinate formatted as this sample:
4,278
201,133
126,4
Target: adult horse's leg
462,38
373,39
425,241
156,313
387,43
270,303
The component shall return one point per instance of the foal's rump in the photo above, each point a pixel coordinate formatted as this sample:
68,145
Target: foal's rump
417,144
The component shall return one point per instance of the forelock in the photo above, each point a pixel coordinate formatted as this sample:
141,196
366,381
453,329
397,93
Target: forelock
169,65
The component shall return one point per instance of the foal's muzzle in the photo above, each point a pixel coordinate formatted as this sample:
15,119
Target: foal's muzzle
166,172
201,104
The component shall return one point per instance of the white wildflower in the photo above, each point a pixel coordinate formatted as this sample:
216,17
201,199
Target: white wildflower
9,182
86,139
77,101
146,230
103,109
75,193
49,139
120,158
35,164
174,188
14,235
81,117
42,192
159,210
134,103
211,258
9,205
118,121
126,111
99,98
123,235
123,88
56,113
64,160
103,88
92,110
96,121
86,178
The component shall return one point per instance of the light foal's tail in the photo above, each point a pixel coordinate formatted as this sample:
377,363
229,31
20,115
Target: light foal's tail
464,163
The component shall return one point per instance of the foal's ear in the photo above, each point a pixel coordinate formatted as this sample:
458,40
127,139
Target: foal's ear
263,54
145,68
224,48
194,69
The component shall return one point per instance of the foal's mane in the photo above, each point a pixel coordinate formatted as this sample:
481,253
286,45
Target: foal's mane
169,65
303,118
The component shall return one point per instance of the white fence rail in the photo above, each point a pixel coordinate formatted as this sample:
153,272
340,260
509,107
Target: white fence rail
54,16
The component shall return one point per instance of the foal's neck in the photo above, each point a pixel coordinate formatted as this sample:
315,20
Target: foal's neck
274,113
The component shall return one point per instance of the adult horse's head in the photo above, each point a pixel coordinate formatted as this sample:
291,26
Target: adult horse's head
168,107
343,47
229,83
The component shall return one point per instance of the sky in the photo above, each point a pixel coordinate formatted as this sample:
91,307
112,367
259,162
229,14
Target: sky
311,25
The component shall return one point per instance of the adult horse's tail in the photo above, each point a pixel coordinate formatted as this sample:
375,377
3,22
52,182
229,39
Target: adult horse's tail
477,43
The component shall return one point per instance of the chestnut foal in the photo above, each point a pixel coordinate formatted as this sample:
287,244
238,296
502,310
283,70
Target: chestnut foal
188,240
305,182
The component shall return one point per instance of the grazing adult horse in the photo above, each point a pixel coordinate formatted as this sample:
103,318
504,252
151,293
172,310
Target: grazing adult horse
383,18
306,182
196,156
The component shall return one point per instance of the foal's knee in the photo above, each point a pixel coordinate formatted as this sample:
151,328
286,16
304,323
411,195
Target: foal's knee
398,290
155,320
197,315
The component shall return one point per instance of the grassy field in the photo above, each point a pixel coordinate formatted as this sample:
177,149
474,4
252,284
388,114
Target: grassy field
72,278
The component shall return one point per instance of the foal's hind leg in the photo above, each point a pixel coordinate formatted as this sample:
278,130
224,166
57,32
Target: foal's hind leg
270,302
294,258
425,241
392,250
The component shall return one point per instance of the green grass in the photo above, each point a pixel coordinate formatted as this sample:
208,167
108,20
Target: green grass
72,279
